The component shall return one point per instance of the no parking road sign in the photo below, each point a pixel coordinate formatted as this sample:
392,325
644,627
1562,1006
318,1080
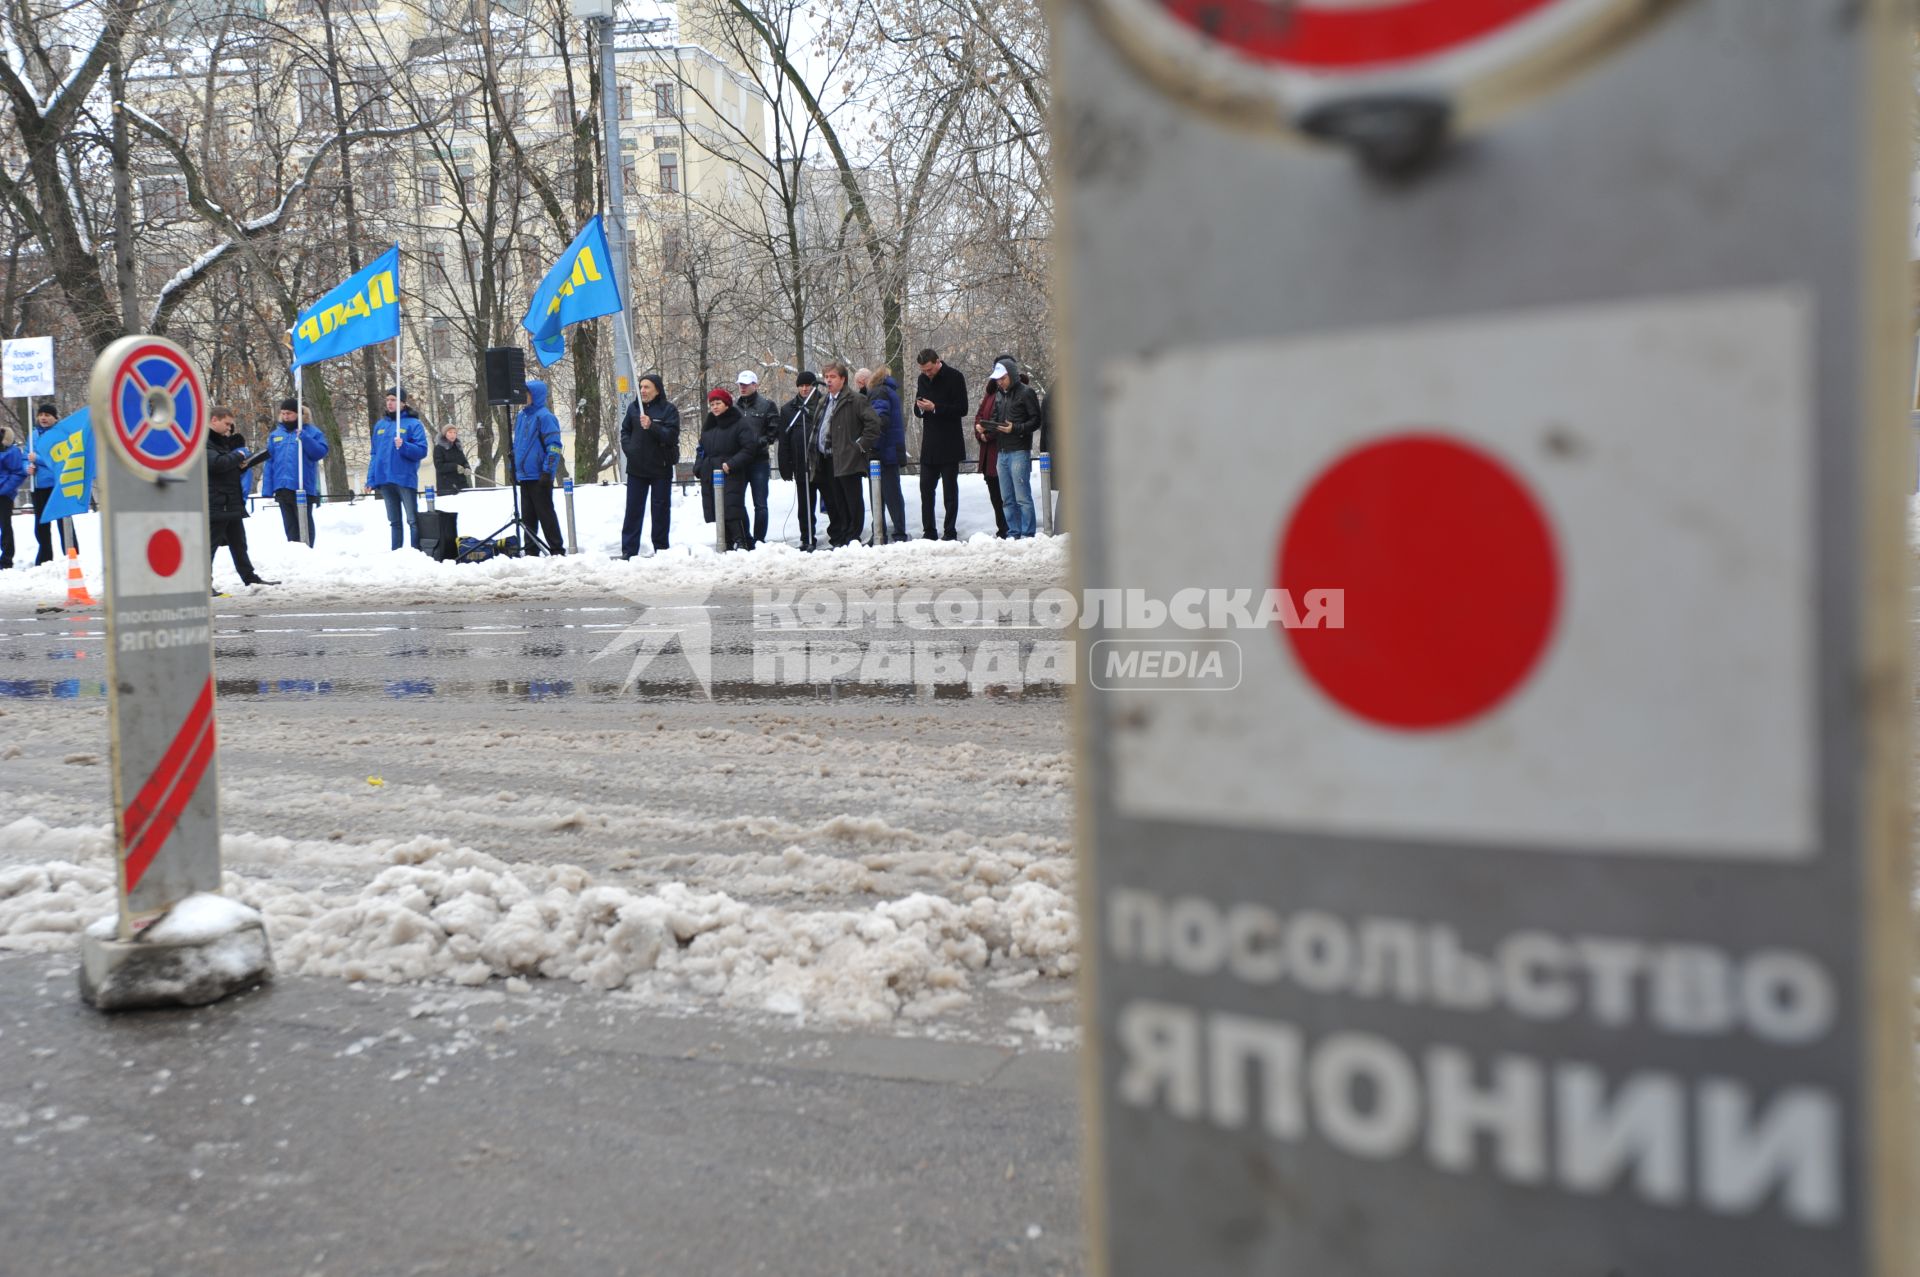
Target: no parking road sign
1548,914
155,410
148,394
1284,63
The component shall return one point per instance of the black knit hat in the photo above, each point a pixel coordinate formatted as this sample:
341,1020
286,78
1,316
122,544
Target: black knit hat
289,405
659,386
806,378
46,409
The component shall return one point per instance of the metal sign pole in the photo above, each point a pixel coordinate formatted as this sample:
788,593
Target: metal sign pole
720,511
1043,492
304,514
159,638
879,536
1464,915
573,532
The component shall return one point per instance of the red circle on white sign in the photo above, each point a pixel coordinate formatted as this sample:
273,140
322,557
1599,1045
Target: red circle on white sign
1341,35
164,552
1287,62
1451,578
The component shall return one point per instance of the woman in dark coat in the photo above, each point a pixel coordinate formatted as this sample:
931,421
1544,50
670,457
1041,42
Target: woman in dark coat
451,470
728,443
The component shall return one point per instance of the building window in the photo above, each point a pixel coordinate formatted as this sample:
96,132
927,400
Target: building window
379,187
446,409
562,118
670,248
669,172
666,101
316,99
626,101
463,110
443,340
627,179
437,257
430,186
166,199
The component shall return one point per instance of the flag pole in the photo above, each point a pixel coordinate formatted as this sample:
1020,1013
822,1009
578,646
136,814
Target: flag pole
303,514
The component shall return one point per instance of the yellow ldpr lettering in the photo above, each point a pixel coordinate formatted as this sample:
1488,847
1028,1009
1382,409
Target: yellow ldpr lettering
584,270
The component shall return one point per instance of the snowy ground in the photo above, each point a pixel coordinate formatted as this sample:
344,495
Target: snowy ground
351,560
893,861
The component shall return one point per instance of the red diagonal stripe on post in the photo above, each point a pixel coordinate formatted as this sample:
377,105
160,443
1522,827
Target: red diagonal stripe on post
147,801
158,830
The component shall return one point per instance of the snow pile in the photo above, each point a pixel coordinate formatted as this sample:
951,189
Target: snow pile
351,560
447,913
201,918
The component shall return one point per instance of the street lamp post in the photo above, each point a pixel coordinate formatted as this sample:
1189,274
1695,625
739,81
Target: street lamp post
598,14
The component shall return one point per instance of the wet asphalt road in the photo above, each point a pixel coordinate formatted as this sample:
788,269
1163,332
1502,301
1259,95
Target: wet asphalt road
315,1129
319,1128
510,652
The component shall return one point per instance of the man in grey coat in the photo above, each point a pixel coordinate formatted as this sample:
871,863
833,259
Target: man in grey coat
849,432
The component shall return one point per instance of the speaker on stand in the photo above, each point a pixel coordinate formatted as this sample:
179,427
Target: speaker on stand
506,376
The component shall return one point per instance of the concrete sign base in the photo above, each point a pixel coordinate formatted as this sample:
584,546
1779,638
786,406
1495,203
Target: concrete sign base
203,949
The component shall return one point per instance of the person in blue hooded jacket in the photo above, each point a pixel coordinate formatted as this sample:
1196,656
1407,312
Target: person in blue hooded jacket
293,457
13,473
536,456
393,464
883,394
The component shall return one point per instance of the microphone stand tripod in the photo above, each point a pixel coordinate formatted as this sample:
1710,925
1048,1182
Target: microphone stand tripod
522,529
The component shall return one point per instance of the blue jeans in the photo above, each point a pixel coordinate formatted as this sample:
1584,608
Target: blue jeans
1016,490
401,500
643,491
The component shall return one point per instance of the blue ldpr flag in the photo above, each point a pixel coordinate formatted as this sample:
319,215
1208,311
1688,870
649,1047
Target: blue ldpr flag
360,312
580,286
65,451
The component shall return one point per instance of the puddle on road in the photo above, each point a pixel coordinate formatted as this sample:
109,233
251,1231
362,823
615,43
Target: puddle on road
476,690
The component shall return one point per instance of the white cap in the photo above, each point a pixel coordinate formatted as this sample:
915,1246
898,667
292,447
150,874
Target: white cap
747,377
999,371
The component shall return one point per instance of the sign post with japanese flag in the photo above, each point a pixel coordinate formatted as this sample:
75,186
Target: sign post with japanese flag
1509,409
150,405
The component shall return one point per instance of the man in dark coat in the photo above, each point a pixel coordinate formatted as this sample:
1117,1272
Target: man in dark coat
452,472
227,464
940,401
763,416
849,432
799,418
730,445
650,439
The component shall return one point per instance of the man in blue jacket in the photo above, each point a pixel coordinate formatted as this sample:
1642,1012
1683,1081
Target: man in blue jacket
45,417
536,456
393,464
293,456
13,473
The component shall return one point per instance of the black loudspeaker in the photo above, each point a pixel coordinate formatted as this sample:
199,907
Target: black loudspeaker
440,535
506,375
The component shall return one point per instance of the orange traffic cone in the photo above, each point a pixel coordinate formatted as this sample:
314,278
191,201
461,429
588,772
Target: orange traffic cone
77,595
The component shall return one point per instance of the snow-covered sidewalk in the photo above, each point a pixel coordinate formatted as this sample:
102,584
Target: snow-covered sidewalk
351,560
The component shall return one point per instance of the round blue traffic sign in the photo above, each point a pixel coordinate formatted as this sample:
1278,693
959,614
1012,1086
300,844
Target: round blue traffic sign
157,411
